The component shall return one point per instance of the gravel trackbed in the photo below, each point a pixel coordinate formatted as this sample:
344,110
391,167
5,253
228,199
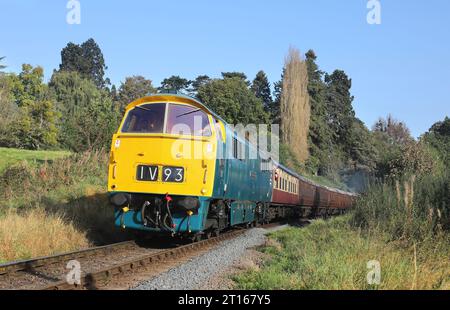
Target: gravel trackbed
197,271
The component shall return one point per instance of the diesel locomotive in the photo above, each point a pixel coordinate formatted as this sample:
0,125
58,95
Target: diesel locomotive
176,167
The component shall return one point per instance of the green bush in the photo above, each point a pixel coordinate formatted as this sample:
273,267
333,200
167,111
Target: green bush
24,185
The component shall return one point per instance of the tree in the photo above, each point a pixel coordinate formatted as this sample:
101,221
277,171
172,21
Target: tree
274,109
9,115
261,89
232,100
2,66
438,137
89,117
198,82
397,132
362,148
295,107
175,82
320,135
133,88
239,75
340,113
36,124
86,59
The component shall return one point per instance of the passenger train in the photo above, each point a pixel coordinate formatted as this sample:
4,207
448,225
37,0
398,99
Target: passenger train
176,168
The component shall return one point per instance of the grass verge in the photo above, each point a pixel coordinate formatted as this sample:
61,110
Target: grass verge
333,255
11,156
403,224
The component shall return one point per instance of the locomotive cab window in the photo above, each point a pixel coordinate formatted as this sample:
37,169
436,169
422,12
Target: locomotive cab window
180,119
148,118
187,120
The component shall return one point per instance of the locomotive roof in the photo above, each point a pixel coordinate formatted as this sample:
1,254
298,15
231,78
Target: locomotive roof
167,97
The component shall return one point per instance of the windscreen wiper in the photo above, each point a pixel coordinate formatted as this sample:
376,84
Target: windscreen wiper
187,113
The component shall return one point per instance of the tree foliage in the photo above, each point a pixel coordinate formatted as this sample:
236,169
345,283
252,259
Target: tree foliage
133,88
33,122
234,74
86,59
9,115
438,137
89,117
340,113
261,89
175,82
197,83
233,100
395,131
274,109
2,66
320,133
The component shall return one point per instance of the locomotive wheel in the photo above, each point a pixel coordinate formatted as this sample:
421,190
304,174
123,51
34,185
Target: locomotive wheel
216,232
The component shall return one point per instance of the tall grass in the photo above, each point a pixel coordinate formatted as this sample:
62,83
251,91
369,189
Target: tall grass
413,209
37,233
58,206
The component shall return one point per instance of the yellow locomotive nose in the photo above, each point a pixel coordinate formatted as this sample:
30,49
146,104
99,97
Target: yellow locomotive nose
165,144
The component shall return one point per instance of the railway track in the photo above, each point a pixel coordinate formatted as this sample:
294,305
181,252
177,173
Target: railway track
98,265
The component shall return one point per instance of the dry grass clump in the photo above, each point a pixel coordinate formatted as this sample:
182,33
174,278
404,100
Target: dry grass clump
36,233
295,105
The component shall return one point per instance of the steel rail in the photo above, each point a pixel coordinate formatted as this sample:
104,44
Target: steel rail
24,265
97,279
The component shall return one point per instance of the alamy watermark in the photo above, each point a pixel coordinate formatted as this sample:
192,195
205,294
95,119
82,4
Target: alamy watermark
74,275
73,16
374,274
374,14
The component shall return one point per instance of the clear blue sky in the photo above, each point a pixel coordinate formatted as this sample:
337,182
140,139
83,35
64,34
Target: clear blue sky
401,66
